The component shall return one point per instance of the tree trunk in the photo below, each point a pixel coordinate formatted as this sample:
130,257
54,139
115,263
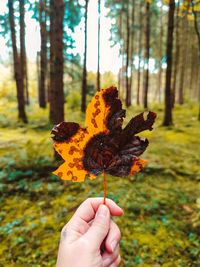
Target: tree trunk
168,100
160,56
132,49
147,55
99,31
56,61
120,52
192,69
26,82
183,61
43,54
199,94
38,69
177,55
184,40
139,53
121,83
17,66
128,95
197,30
23,52
84,78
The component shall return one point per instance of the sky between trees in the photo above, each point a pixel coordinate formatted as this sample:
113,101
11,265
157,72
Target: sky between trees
155,50
109,54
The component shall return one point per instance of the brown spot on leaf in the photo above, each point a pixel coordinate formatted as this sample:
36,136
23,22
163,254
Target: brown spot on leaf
79,167
97,104
76,160
98,111
74,178
60,174
71,165
69,172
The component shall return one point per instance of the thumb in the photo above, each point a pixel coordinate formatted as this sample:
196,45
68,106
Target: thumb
99,228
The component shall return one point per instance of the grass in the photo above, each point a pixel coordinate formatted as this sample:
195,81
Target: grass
161,225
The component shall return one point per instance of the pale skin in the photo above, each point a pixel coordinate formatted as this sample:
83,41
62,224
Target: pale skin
91,238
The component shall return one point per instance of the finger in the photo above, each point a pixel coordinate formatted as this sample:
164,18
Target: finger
116,262
78,227
99,228
88,208
113,237
109,258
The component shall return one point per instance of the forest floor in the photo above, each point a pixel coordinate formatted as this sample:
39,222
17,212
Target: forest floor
161,225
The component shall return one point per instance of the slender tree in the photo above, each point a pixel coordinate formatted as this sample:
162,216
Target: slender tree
122,49
17,65
132,50
147,55
160,74
56,61
177,54
168,99
38,68
197,30
128,96
182,66
24,72
139,53
120,52
43,54
84,78
98,59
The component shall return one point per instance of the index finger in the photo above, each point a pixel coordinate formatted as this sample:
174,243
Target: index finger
87,210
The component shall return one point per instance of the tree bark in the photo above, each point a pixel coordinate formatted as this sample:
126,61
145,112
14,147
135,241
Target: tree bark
184,56
98,59
160,55
139,53
38,69
197,30
17,66
168,99
192,68
147,55
132,50
128,95
56,61
183,61
177,55
121,50
199,94
23,58
43,54
84,78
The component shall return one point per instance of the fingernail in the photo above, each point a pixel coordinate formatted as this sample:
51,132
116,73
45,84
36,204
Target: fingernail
114,245
113,265
106,261
102,211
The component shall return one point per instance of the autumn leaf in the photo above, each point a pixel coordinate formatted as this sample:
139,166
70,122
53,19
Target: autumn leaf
103,146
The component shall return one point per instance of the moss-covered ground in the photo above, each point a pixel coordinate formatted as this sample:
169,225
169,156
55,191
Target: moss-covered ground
161,225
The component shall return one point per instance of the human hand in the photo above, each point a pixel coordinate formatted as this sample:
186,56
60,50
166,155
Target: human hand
91,238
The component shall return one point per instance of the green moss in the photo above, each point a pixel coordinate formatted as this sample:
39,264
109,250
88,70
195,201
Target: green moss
161,222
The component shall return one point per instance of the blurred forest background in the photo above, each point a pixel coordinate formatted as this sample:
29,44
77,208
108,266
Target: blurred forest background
55,54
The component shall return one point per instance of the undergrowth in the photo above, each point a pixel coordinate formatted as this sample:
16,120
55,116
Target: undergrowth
162,211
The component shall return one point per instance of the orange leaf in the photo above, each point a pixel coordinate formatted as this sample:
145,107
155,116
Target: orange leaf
72,152
96,114
103,146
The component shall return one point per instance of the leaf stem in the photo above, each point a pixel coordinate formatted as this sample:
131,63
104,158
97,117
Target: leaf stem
104,188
